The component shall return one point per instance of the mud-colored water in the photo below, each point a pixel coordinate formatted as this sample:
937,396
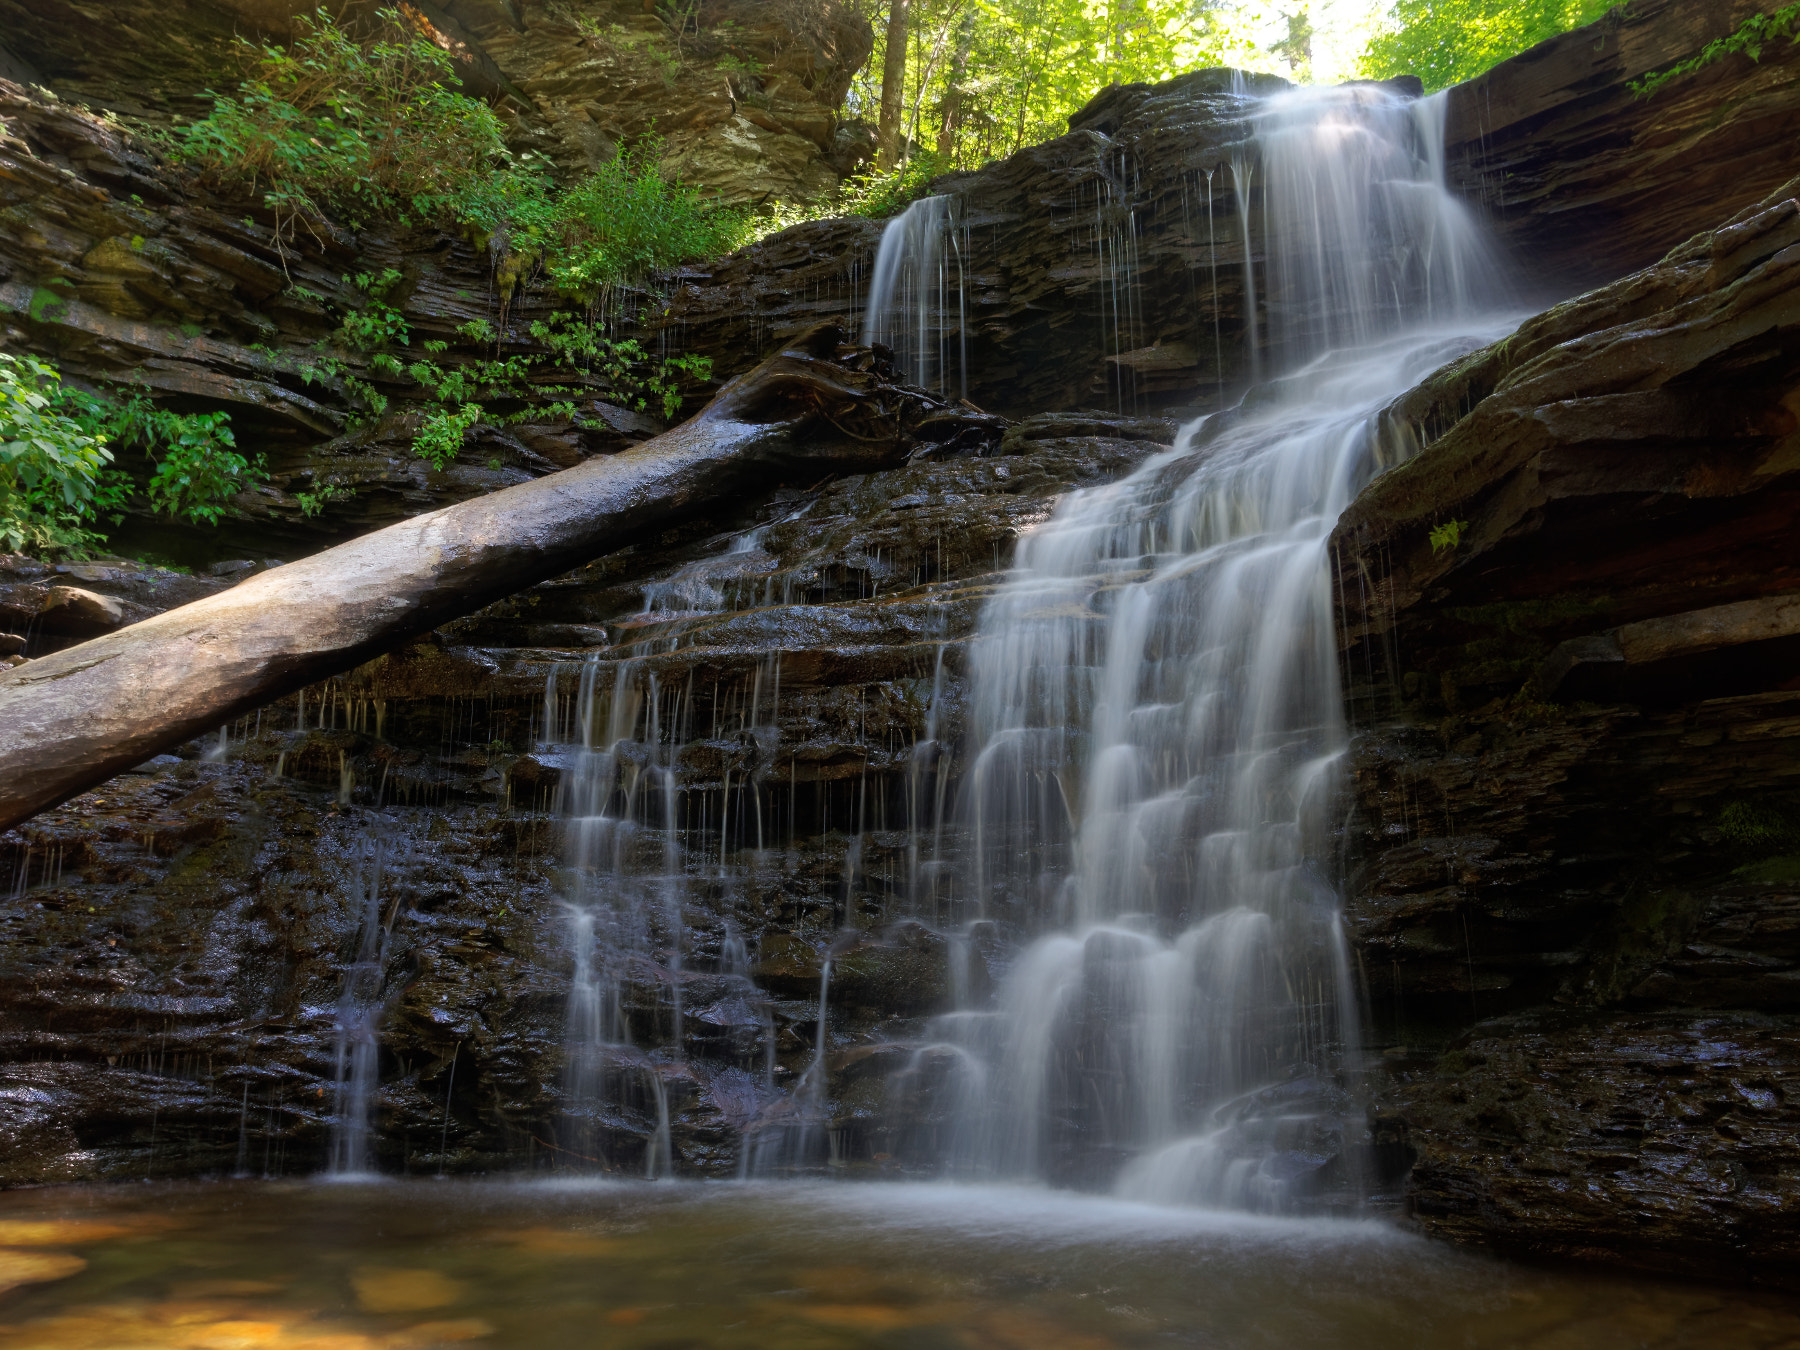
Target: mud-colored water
357,1266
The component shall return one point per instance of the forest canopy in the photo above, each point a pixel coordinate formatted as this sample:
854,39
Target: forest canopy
979,79
1445,42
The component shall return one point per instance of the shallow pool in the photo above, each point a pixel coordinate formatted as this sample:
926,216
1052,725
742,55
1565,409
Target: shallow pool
638,1266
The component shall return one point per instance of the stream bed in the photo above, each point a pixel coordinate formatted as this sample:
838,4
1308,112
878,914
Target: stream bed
309,1265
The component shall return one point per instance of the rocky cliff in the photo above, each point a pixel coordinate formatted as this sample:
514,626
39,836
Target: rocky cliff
1574,884
1572,872
745,94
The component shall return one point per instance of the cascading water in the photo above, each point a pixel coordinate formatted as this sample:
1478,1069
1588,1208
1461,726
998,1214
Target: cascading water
917,305
627,876
357,1047
623,890
1159,725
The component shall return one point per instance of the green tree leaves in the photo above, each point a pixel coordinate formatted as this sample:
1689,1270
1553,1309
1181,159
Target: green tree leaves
1445,42
50,465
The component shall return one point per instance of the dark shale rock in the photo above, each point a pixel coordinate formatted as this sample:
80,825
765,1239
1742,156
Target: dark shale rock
174,944
1588,180
1574,768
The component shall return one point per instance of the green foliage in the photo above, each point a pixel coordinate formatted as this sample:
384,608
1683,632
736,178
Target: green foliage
1445,42
440,438
311,503
616,226
370,126
376,324
195,465
1759,827
362,127
51,467
55,484
1750,38
987,77
879,195
1447,535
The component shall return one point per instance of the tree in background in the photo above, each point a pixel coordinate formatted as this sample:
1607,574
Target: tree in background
1444,42
965,81
1296,48
893,84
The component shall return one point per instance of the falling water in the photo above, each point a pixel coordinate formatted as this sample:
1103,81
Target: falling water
357,1048
916,306
627,872
1159,726
623,891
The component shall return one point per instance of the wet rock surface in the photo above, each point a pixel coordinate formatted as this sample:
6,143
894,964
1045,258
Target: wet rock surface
179,941
1575,826
1573,887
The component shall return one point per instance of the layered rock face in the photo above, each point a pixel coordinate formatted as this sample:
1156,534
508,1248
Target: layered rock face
178,942
1589,179
1575,773
743,93
1573,881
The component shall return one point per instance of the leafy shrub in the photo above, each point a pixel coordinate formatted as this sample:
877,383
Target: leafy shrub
879,195
55,483
615,226
52,468
371,127
376,324
363,127
1758,827
195,465
441,437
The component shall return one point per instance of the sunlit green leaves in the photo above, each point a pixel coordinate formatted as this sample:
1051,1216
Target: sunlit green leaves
1445,42
50,464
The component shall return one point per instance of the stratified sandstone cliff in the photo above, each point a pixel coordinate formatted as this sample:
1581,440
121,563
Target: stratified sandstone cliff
745,96
1575,888
1588,179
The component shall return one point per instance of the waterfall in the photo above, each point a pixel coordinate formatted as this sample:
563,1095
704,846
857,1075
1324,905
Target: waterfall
357,1022
622,888
1159,725
915,307
627,874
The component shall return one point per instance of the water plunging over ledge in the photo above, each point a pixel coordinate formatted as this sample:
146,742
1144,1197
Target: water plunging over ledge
917,304
1159,723
1147,815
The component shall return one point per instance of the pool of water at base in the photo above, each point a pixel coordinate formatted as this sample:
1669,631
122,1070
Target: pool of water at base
403,1265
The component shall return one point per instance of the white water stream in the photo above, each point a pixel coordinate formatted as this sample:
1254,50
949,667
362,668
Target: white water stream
1160,725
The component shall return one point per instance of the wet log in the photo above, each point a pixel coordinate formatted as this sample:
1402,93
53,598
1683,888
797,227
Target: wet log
73,719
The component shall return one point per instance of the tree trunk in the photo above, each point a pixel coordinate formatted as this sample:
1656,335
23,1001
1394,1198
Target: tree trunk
893,87
950,110
73,719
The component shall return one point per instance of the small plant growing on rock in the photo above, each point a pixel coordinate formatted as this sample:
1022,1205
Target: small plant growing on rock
1749,38
440,439
1448,535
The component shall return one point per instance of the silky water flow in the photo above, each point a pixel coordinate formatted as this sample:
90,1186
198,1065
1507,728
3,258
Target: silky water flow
918,306
1151,983
1159,729
634,841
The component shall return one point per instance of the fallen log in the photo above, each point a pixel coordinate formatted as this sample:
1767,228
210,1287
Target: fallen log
73,719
